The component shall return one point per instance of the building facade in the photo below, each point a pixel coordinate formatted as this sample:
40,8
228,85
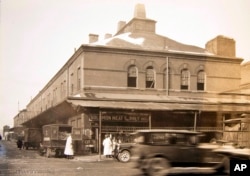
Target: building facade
137,79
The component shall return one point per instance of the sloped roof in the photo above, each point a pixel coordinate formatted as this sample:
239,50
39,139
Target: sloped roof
148,41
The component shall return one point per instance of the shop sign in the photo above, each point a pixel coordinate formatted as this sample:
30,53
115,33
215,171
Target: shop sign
121,117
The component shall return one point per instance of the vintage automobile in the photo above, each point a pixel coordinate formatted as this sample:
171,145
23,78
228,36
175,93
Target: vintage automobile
160,152
123,152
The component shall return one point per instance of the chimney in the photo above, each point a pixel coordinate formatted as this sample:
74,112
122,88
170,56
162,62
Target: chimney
93,38
120,25
107,36
140,11
221,46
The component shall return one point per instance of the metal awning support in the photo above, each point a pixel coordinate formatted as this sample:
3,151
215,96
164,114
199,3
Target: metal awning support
100,134
195,120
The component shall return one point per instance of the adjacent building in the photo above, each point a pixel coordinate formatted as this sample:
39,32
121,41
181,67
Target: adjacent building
138,79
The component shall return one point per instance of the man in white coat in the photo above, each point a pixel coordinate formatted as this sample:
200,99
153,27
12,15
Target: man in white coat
68,151
107,144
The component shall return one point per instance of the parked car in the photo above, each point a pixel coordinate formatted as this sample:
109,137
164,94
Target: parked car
160,152
123,152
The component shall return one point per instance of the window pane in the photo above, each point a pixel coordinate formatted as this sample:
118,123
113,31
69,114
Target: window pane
150,77
132,77
200,80
132,72
184,79
150,84
200,86
131,81
201,77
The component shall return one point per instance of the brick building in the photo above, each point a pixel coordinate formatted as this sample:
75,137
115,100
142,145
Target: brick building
138,79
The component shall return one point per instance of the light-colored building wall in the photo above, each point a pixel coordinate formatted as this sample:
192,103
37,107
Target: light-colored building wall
245,75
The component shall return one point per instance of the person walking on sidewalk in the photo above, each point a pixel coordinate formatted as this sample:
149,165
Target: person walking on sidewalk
68,151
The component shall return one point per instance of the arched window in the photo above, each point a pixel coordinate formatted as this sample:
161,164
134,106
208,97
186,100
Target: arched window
201,80
150,77
184,79
166,79
132,76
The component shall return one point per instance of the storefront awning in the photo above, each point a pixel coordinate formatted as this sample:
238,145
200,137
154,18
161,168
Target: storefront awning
159,106
55,114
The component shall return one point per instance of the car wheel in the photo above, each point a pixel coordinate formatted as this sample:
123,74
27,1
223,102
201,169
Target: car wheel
124,156
158,166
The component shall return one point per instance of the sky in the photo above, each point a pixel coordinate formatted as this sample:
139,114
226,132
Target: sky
39,36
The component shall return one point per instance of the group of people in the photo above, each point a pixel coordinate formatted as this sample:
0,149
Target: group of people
109,145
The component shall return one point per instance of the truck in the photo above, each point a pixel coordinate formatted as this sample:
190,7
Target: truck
237,131
32,138
54,138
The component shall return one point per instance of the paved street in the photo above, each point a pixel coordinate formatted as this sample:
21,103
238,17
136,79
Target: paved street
16,162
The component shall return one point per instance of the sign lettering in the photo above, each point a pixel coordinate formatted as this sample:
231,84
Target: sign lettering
121,117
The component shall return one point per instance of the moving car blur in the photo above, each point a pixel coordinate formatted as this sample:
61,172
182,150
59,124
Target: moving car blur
160,152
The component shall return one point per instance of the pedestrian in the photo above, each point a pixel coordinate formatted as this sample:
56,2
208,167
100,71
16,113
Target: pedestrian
19,143
68,151
107,144
114,146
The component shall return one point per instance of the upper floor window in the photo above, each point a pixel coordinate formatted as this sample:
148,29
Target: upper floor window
78,78
184,79
54,100
201,80
72,83
63,89
132,76
150,77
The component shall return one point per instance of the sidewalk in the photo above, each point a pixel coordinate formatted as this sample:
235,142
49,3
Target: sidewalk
93,158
